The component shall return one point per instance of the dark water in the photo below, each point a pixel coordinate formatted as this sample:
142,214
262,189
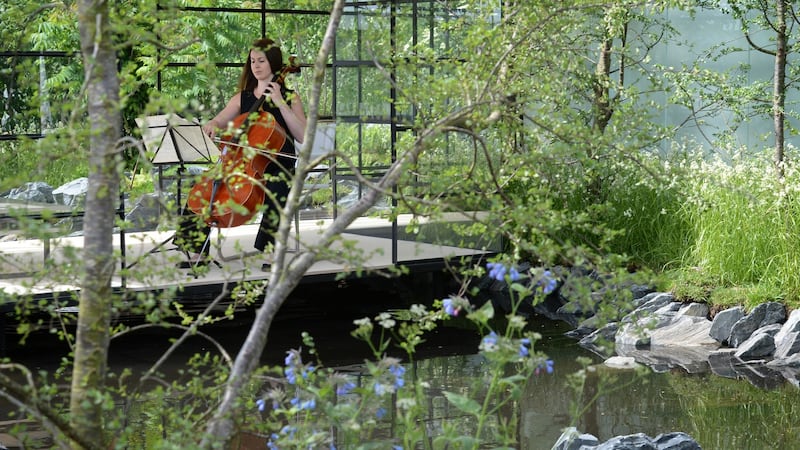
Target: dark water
720,413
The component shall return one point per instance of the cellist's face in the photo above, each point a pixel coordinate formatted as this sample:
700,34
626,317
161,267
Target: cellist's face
259,65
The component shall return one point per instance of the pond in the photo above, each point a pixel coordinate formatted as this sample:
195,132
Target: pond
718,412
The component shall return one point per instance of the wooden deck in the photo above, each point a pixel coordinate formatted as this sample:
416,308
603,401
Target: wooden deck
28,267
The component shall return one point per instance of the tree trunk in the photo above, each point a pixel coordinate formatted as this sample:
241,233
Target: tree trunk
602,102
779,85
91,345
220,428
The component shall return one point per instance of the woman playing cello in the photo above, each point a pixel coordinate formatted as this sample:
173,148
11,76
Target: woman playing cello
264,61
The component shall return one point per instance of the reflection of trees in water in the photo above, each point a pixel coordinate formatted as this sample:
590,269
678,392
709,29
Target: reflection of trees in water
624,403
732,413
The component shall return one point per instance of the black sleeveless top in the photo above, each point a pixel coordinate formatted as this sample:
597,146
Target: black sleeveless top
248,100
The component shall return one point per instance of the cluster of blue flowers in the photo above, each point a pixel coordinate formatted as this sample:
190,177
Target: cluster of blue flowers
547,366
498,271
286,431
292,362
524,347
399,381
345,388
490,341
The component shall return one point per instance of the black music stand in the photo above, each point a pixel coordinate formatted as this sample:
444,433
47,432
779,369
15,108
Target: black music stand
170,139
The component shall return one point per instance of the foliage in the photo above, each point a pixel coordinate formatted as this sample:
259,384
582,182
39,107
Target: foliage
513,114
384,405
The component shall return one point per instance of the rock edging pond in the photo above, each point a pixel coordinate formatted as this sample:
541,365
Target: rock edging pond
653,329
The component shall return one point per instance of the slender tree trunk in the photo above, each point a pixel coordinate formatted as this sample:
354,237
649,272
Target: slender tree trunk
91,346
220,428
779,85
602,101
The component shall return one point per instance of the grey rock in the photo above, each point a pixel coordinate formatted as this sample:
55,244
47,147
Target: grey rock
763,314
676,441
638,441
787,345
602,340
723,363
640,291
672,307
652,302
792,325
72,193
758,345
771,330
787,340
37,191
789,361
572,439
683,331
723,323
584,328
694,310
664,359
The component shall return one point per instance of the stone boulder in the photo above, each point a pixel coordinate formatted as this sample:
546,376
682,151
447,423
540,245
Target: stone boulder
73,193
38,191
572,439
723,323
764,314
787,340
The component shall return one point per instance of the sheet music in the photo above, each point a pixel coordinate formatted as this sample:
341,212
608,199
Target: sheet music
171,139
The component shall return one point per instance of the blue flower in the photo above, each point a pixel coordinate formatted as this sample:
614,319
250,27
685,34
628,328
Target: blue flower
513,274
345,388
379,389
290,376
380,413
306,404
546,366
260,404
398,372
524,346
449,308
271,445
490,340
547,283
497,271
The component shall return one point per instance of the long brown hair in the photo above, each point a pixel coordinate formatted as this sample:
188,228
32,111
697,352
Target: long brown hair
248,81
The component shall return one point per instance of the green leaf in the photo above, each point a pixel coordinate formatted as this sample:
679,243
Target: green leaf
463,403
484,314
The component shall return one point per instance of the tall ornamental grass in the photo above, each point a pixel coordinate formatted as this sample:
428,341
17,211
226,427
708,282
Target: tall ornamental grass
732,225
745,219
646,200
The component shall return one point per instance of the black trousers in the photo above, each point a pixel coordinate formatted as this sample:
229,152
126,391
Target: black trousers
192,232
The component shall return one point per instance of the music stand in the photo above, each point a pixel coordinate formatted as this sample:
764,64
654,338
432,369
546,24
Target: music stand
170,139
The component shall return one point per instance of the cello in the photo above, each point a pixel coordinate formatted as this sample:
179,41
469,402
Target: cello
230,195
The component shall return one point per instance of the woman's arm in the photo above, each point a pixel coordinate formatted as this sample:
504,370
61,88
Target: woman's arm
221,120
295,117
